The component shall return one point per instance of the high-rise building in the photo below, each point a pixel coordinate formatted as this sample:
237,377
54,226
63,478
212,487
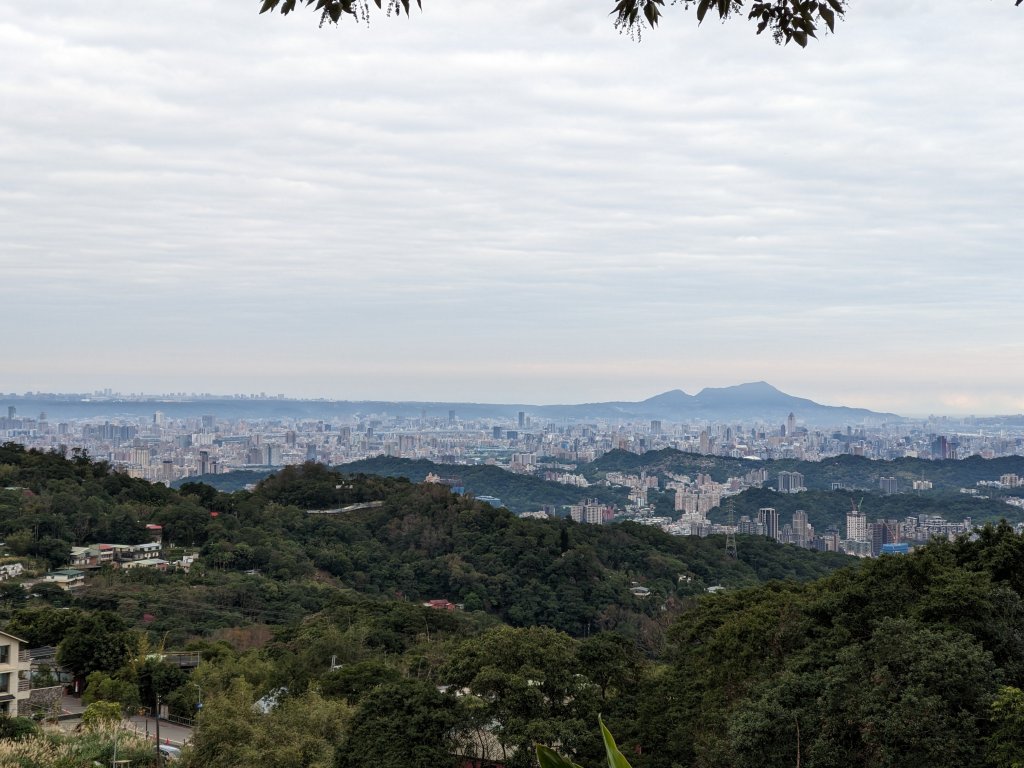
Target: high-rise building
451,417
790,425
791,482
655,427
888,485
749,527
590,512
769,518
802,532
856,526
830,541
496,433
522,419
883,532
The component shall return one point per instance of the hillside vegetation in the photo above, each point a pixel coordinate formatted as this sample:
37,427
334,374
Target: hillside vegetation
854,472
827,509
914,660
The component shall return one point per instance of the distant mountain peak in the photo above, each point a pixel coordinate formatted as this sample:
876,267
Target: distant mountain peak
748,388
672,397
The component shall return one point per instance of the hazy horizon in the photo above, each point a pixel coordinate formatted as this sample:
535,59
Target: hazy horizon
194,392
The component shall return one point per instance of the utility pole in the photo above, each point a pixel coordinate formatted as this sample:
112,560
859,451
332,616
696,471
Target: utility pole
159,754
199,705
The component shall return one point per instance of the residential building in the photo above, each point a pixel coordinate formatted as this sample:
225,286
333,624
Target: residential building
15,671
66,579
147,562
791,482
802,530
93,556
888,485
856,526
125,553
769,518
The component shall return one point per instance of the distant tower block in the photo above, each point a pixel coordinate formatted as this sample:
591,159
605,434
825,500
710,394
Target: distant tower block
769,518
790,425
522,419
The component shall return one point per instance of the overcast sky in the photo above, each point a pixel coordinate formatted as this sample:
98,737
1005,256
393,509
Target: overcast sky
512,202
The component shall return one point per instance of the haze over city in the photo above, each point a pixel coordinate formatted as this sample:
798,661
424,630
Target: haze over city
486,203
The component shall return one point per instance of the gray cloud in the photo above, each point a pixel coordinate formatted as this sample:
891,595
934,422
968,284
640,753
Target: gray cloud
497,204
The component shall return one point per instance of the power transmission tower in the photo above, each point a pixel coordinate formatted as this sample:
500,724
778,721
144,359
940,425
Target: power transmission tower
730,539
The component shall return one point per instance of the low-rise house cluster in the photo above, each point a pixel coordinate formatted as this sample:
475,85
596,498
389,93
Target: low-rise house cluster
123,555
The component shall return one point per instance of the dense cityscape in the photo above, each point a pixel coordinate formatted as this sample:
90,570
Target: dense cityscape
169,450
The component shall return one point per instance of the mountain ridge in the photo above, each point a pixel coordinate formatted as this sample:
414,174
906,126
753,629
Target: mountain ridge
750,400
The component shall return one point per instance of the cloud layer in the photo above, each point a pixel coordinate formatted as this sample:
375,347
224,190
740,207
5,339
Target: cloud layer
503,203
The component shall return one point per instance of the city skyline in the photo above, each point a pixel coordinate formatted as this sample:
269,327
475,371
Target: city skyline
496,205
199,394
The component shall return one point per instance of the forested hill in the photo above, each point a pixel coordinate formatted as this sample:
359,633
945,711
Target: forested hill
720,468
519,493
523,493
852,471
908,661
422,542
425,542
828,509
904,660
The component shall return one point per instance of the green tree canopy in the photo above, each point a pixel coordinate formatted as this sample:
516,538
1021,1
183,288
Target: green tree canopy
1006,743
101,713
402,725
97,642
786,20
300,732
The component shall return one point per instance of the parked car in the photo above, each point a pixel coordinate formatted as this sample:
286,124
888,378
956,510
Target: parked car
169,752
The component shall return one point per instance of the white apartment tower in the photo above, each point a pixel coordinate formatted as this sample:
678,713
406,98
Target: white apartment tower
856,526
